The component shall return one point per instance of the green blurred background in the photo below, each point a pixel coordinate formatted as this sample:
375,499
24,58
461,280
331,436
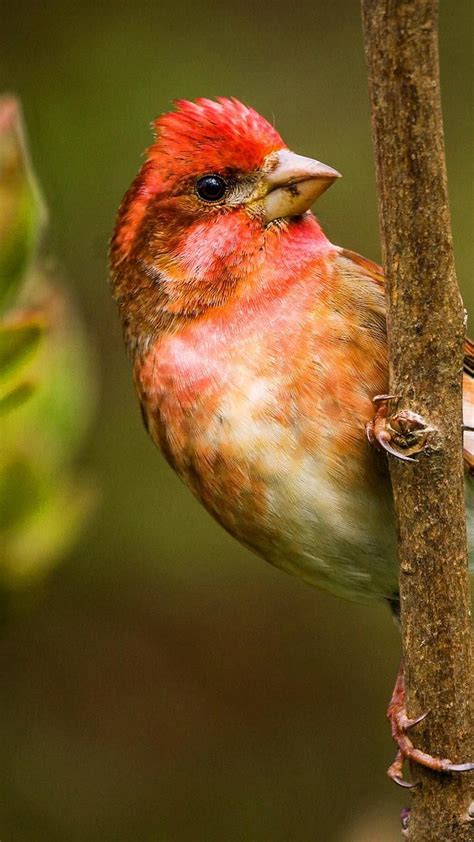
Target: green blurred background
163,684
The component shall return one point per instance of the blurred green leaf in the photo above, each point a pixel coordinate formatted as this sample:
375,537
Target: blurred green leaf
52,515
17,344
19,492
15,397
53,422
64,401
41,509
17,247
22,211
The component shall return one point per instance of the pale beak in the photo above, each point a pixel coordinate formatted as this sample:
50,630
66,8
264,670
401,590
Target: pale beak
293,183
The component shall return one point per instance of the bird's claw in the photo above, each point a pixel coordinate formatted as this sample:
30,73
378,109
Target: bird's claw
410,723
459,767
395,772
401,724
401,433
405,821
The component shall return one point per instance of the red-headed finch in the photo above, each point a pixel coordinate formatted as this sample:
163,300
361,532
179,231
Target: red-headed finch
258,347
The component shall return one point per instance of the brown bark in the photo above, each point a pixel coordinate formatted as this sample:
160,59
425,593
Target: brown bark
426,332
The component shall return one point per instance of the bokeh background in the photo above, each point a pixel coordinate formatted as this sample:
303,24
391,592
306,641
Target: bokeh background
162,684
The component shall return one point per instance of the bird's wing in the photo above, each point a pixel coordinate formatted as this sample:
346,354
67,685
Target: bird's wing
468,404
375,271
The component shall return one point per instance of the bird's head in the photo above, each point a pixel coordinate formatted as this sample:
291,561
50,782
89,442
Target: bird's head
191,230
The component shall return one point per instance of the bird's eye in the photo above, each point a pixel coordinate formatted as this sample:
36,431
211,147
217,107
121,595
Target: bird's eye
211,188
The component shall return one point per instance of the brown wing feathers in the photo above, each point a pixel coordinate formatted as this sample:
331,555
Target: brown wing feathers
469,357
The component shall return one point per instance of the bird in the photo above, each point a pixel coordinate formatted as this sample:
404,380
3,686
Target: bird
257,348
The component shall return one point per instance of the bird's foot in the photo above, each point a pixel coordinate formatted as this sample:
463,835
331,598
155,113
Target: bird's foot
405,821
401,724
402,433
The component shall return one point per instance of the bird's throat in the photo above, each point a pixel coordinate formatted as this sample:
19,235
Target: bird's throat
176,275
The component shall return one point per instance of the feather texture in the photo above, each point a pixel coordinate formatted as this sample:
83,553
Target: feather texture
257,349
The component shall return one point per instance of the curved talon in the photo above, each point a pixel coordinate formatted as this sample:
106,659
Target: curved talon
403,783
460,767
395,772
401,724
405,817
381,439
384,442
410,723
396,431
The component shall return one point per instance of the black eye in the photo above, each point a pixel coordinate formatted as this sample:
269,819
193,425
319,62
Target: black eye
211,188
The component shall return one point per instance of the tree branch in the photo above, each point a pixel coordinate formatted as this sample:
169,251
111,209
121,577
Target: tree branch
426,333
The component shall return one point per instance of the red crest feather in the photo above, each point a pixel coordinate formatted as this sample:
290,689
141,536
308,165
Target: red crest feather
209,136
199,137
